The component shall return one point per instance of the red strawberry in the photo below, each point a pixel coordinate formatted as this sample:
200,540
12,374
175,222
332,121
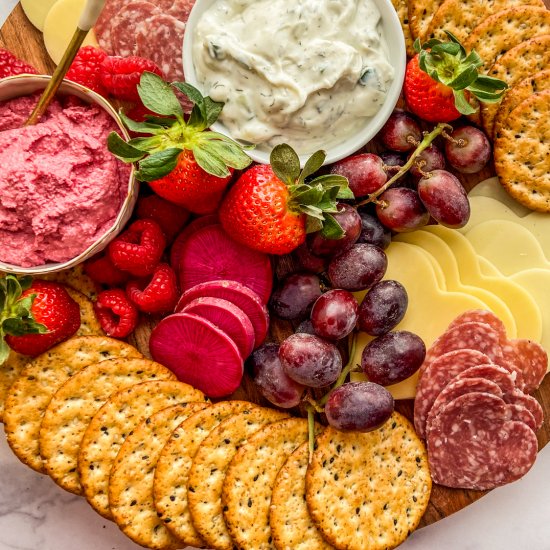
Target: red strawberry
36,316
121,75
440,78
116,314
157,295
168,215
85,69
101,269
271,209
11,65
138,250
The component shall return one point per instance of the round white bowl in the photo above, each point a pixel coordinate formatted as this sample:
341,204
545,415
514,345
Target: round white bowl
393,34
22,85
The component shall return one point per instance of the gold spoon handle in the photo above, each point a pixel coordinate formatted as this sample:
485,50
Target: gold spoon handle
87,21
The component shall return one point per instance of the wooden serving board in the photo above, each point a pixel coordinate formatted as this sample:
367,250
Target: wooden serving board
20,37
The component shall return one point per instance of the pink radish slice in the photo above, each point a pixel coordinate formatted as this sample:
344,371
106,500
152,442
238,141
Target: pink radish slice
210,254
193,227
237,294
229,318
198,353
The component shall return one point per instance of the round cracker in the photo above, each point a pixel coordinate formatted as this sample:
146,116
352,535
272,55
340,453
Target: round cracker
246,493
111,425
208,471
174,463
522,162
89,325
371,486
31,393
131,480
291,524
420,15
402,9
10,370
75,278
75,403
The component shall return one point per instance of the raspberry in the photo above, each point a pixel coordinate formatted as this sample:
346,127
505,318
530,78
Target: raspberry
138,250
121,75
168,215
11,65
85,69
159,295
117,316
101,270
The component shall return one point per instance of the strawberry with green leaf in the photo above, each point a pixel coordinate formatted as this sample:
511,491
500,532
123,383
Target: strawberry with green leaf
182,161
272,207
441,77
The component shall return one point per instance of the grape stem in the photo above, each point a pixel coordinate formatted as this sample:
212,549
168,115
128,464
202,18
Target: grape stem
424,144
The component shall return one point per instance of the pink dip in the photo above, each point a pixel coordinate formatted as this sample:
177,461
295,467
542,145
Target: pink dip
60,187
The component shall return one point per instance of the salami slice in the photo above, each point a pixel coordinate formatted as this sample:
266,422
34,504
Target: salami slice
511,362
436,376
473,444
103,25
533,361
181,9
529,402
500,376
521,414
482,316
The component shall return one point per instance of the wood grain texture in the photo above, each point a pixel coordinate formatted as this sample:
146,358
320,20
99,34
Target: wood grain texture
20,37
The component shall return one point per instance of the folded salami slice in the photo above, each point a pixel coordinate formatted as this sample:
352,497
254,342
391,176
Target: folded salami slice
473,444
521,414
482,316
533,360
499,375
436,376
529,402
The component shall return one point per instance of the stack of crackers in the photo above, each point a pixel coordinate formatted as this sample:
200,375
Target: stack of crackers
172,469
513,39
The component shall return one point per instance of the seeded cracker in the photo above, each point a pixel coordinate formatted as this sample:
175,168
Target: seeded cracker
420,15
75,278
402,9
174,463
131,481
208,471
522,162
31,393
505,29
291,524
111,425
89,325
368,490
75,403
246,493
10,370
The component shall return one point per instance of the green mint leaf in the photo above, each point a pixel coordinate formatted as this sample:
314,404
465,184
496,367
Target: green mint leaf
461,103
141,127
4,349
158,96
331,228
313,163
209,162
285,163
122,150
213,110
158,164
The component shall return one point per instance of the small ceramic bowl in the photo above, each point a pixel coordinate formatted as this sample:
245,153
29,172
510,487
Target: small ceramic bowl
397,57
22,85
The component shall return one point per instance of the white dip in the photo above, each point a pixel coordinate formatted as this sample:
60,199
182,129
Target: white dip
304,72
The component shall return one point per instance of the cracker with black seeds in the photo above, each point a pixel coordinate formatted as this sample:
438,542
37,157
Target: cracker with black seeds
75,278
10,370
111,425
402,9
500,32
31,393
420,15
248,485
131,480
73,406
289,518
89,325
522,159
172,471
523,60
371,486
209,468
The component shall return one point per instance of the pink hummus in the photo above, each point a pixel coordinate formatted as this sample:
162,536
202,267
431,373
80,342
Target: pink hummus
60,187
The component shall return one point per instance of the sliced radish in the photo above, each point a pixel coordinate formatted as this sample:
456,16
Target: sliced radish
228,317
198,353
237,294
210,254
194,226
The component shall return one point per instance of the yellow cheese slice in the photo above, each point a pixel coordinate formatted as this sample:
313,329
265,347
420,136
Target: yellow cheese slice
522,306
443,255
491,188
487,268
509,246
36,11
60,25
430,309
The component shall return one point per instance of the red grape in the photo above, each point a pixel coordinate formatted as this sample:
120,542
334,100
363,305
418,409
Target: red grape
273,383
404,210
365,173
334,314
430,159
401,132
295,295
471,153
350,221
445,198
373,232
383,308
310,360
393,357
358,268
306,327
309,261
359,406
